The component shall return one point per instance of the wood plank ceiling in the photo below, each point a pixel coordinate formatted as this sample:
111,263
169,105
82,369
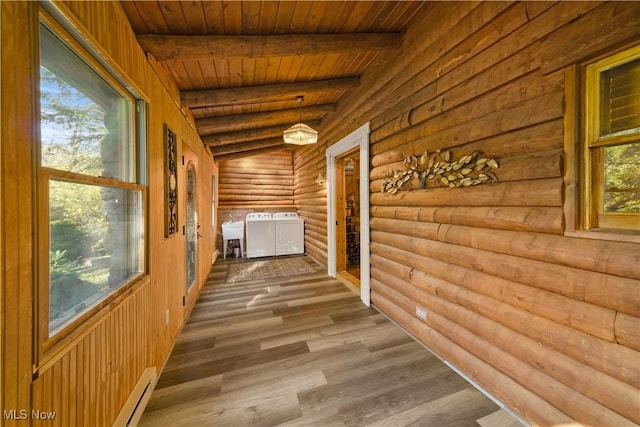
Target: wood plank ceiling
240,65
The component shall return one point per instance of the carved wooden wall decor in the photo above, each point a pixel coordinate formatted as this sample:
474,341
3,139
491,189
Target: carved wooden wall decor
171,182
439,170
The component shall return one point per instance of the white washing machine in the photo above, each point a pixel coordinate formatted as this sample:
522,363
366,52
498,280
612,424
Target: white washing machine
261,235
289,233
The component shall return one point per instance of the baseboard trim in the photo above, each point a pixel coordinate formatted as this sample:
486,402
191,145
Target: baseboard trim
133,408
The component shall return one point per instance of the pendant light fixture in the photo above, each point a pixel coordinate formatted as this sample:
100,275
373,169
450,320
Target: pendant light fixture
300,134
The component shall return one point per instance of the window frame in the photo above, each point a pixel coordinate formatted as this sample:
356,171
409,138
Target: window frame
82,47
595,144
584,152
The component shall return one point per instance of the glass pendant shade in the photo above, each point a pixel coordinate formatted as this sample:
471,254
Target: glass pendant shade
300,134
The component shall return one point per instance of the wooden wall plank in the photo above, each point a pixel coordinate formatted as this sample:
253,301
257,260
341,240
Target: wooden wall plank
593,255
517,396
627,330
579,407
605,358
532,219
262,182
540,192
91,382
583,285
545,304
88,377
491,78
18,56
609,25
486,76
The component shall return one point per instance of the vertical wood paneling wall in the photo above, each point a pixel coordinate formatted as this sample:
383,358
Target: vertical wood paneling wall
88,377
89,384
547,323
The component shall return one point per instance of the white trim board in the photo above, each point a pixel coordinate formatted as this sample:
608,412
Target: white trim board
358,138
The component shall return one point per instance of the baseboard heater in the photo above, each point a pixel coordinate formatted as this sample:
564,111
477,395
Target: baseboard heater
134,406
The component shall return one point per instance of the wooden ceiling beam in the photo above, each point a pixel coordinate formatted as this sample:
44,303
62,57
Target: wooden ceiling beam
249,153
246,146
181,47
238,122
262,93
221,139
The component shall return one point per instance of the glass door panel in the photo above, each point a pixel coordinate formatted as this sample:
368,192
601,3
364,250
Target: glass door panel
192,226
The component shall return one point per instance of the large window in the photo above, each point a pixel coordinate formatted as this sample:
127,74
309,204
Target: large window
92,196
611,160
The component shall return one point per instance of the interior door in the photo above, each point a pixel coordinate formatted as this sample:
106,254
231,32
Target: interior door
191,228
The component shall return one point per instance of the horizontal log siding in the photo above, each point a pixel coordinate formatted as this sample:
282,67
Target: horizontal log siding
259,183
548,324
311,199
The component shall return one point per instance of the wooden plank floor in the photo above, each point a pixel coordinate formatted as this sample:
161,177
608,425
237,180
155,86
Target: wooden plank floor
304,351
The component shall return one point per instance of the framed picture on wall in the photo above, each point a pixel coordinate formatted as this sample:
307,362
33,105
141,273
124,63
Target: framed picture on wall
171,182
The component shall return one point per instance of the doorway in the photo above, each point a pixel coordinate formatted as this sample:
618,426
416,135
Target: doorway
352,148
348,217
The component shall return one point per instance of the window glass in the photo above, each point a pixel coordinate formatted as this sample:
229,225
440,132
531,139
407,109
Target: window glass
622,178
94,206
95,236
192,225
86,123
620,99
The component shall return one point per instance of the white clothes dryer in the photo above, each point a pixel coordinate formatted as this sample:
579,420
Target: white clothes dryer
261,235
289,233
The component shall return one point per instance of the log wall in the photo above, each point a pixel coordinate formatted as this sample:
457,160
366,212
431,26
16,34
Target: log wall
260,183
311,200
87,378
547,323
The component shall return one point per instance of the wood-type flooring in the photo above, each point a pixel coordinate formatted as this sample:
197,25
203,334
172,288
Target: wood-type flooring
304,351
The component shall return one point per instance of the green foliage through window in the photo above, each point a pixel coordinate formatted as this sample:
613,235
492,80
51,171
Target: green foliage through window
622,178
88,159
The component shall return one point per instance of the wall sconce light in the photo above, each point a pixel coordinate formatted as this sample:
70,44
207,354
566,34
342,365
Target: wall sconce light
320,180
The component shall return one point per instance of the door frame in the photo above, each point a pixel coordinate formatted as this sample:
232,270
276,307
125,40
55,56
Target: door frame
358,138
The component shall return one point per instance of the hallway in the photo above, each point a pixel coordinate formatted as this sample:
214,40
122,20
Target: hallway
303,350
